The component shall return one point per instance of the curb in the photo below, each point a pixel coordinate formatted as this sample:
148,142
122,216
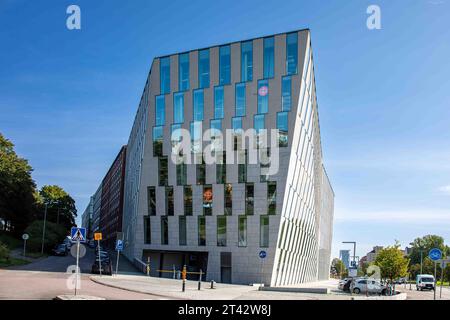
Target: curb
78,297
400,296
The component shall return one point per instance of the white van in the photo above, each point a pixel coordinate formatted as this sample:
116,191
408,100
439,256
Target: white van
424,281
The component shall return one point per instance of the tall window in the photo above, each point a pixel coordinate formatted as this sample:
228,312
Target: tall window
269,57
247,61
224,65
164,230
228,201
201,172
291,53
160,110
242,166
203,68
242,231
216,127
221,168
240,99
201,231
286,93
158,141
181,174
265,164
188,200
198,105
183,71
249,198
196,136
236,125
151,200
175,134
182,230
218,102
271,197
169,201
164,75
221,231
147,230
264,231
207,200
163,176
178,107
263,96
258,122
282,126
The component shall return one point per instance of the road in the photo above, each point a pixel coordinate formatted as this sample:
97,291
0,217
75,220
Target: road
413,294
47,278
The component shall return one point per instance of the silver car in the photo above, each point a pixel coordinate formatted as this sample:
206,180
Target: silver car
370,286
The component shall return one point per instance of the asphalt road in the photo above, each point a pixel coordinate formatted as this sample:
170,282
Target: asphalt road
47,278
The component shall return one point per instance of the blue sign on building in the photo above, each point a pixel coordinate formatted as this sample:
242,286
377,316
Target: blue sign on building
262,254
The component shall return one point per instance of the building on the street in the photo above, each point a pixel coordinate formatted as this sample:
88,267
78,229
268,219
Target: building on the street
372,255
111,204
97,204
344,255
222,216
86,218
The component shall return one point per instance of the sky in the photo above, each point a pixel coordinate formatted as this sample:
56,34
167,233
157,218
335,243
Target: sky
68,97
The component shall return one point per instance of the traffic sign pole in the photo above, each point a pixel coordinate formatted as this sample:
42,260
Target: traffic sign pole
24,246
435,281
99,261
77,275
117,262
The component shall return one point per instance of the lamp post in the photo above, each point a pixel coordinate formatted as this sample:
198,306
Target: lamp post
43,229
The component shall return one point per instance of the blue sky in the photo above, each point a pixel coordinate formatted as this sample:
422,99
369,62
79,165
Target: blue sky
68,98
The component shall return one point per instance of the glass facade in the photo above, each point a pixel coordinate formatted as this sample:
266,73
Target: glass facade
224,65
221,231
169,201
218,102
164,75
240,100
286,86
147,230
216,127
160,110
221,168
271,197
198,105
158,141
151,201
258,122
188,201
242,230
236,124
291,53
242,166
201,231
178,107
164,230
203,68
247,61
181,174
269,57
264,231
162,168
263,96
183,72
196,136
249,198
282,126
228,201
201,172
182,238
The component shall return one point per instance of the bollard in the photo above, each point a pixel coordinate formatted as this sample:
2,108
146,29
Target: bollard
200,280
174,272
212,284
183,276
148,266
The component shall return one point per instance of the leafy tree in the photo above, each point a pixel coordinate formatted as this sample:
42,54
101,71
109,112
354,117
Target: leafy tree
17,188
392,263
4,251
338,267
424,245
54,234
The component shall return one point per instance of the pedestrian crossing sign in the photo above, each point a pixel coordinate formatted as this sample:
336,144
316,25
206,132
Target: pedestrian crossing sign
78,234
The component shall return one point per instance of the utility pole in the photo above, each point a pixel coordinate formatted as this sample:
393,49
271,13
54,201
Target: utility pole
43,229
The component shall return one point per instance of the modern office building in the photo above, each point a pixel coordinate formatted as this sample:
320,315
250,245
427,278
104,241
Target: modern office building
222,217
97,198
86,218
344,255
111,204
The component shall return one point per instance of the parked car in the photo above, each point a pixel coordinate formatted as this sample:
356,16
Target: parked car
91,244
425,282
105,267
400,281
67,242
368,286
342,282
60,250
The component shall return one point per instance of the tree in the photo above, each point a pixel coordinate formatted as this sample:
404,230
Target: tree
392,263
338,266
17,189
60,206
424,245
54,234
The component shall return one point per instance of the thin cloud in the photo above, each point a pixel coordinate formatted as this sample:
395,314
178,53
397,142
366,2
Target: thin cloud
421,216
445,189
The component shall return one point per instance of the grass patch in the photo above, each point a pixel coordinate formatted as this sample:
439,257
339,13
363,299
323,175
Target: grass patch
445,283
12,262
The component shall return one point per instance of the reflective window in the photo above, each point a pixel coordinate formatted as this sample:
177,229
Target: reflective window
162,168
160,110
164,75
263,96
224,65
203,68
228,201
286,93
188,200
201,172
236,124
242,166
151,201
258,122
169,201
218,102
265,164
221,168
147,230
201,231
196,136
291,53
183,71
269,54
207,200
240,100
271,197
247,61
282,126
264,231
249,198
181,174
198,105
216,127
242,229
178,107
221,231
175,134
182,230
158,141
164,230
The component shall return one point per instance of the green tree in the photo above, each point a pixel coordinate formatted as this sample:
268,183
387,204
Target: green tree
392,263
338,267
54,234
17,189
424,245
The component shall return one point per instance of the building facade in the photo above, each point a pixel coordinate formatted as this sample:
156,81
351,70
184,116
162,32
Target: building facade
111,204
86,218
97,203
222,217
344,255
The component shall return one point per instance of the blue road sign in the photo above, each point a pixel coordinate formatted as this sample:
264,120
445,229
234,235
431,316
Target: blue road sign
262,254
78,234
435,254
119,245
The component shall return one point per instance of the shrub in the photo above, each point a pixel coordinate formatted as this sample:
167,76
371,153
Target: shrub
54,234
4,252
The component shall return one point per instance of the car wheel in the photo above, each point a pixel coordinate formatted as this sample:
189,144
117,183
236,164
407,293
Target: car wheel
356,290
383,292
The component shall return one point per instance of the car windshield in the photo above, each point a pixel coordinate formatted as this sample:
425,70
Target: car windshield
427,280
